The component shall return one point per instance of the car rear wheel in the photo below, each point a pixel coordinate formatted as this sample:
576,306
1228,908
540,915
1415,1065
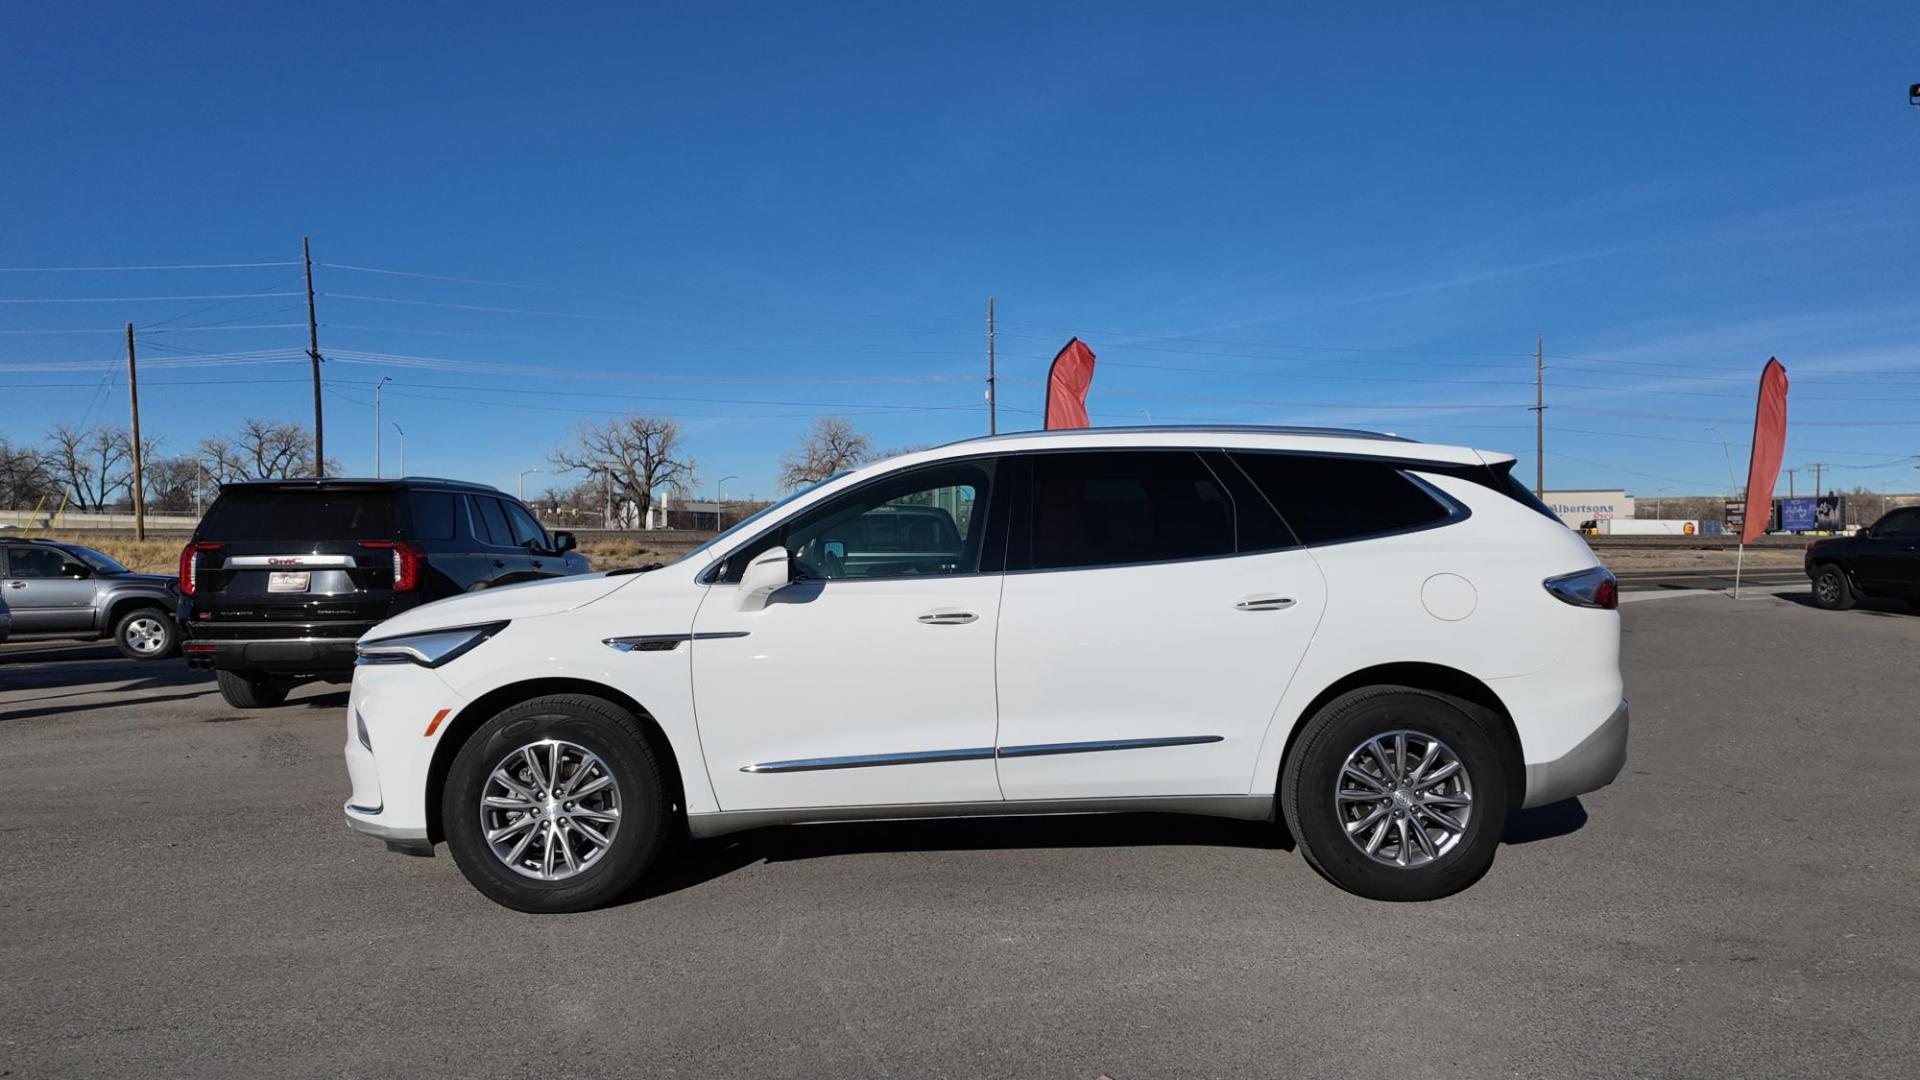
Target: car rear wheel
1831,589
1396,794
555,805
145,634
244,690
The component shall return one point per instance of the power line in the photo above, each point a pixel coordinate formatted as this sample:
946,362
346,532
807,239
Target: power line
117,269
478,307
138,299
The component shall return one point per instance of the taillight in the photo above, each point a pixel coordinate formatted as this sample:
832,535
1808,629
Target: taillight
407,561
190,565
1595,588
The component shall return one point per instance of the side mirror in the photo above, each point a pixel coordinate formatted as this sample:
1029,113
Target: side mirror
770,571
564,542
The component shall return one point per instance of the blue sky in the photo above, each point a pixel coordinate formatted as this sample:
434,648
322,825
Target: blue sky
748,215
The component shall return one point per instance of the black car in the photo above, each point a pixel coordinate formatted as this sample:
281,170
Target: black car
283,576
1881,560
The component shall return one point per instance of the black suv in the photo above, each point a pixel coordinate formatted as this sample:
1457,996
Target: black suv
1880,560
283,576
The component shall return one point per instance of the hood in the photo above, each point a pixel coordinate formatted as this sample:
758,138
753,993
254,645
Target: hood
162,581
524,601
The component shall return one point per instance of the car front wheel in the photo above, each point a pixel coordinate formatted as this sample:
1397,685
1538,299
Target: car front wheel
1831,589
1396,794
144,634
555,805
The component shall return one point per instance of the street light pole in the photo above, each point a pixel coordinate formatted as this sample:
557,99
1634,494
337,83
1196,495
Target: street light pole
403,448
520,482
719,514
376,423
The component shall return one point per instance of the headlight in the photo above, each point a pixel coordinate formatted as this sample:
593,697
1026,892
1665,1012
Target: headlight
431,649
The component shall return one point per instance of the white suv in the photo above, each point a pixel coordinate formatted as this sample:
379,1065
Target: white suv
1386,643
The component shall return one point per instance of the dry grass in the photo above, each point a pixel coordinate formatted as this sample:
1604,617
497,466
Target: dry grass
146,556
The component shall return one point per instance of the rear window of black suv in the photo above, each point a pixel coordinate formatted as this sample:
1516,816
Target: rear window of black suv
293,514
1327,500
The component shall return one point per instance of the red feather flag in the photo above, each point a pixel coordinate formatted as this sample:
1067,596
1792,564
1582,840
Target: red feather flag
1067,384
1769,446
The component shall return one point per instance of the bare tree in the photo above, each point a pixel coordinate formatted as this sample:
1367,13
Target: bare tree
172,483
631,457
24,476
832,446
94,464
263,450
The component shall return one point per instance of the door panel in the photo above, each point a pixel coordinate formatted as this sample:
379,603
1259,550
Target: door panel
43,598
1187,659
869,680
832,672
1155,609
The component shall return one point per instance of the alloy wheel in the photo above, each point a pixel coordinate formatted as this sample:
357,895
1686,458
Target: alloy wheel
1404,798
550,809
1827,587
146,635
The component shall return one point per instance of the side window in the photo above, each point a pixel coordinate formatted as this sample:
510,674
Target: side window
921,522
34,562
526,531
1327,500
430,514
489,524
1900,523
1125,507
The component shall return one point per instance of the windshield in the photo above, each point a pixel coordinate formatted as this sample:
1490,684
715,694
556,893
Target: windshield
96,560
740,527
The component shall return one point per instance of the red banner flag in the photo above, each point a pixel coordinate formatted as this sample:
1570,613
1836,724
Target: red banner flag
1769,445
1067,384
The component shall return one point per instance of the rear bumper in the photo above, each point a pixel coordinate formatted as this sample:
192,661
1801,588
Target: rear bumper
1590,765
286,656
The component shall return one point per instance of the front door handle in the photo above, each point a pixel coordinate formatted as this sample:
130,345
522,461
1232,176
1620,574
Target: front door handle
16,584
1264,603
949,618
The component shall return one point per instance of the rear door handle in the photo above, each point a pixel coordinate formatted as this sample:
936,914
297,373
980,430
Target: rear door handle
1265,603
949,618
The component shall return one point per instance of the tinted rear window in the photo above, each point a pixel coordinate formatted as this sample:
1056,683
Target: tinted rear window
1327,500
430,514
299,515
1125,507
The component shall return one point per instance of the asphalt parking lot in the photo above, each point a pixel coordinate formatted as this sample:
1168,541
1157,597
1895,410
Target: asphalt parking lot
180,898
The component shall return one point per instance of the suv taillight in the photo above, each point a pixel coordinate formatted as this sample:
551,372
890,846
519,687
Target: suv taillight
407,561
1595,588
190,565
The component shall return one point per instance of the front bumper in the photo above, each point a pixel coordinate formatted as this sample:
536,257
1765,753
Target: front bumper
407,841
1590,765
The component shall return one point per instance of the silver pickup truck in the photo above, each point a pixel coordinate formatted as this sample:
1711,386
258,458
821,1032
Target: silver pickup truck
60,590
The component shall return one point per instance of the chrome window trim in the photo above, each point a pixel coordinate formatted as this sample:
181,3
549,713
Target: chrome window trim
976,753
666,642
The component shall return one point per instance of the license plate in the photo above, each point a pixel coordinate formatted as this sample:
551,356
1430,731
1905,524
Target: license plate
289,581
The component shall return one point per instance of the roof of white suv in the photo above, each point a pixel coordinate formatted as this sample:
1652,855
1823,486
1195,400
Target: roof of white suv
1242,436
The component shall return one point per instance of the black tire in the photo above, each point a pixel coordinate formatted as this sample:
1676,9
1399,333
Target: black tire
150,625
1312,776
1831,589
243,690
599,726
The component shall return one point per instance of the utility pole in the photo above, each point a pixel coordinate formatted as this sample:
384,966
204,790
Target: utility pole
403,447
993,404
384,380
139,487
1790,473
313,353
1540,416
1818,467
